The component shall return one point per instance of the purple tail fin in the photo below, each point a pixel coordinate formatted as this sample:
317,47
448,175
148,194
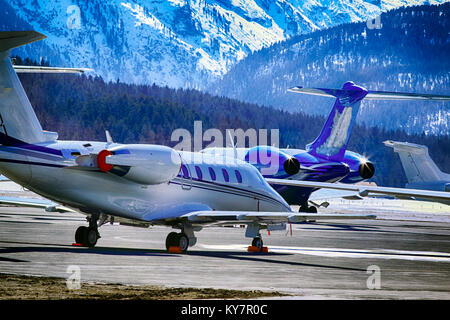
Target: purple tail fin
333,139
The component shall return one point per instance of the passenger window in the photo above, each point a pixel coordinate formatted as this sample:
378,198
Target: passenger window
212,174
238,176
225,175
199,172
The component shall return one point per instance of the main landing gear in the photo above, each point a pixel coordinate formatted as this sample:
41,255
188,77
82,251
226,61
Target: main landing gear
180,240
184,239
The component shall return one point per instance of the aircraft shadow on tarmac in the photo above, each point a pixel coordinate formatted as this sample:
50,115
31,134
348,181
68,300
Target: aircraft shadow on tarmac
117,251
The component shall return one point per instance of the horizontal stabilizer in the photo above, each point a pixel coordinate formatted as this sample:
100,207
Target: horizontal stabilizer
386,95
42,69
374,95
13,39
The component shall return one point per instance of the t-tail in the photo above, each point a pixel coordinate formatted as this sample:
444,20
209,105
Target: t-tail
18,122
417,163
332,141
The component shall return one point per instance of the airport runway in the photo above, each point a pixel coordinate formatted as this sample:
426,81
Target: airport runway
327,260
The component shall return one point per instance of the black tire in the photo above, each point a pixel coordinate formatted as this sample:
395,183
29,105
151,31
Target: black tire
312,209
86,236
303,208
171,240
80,234
183,242
257,242
91,237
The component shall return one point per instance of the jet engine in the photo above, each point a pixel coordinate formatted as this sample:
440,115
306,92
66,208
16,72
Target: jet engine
360,168
271,161
366,169
141,163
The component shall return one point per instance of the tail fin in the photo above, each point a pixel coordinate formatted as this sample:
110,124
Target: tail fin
18,122
417,163
333,139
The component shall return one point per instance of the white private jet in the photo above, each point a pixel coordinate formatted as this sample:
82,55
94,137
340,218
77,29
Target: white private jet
139,184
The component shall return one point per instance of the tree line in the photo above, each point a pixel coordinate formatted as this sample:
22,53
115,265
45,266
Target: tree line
83,107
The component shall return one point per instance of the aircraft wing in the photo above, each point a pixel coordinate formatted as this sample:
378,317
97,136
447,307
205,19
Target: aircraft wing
327,194
34,203
246,217
44,69
364,191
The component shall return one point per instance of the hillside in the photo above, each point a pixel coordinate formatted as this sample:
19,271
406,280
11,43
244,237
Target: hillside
81,108
410,53
179,43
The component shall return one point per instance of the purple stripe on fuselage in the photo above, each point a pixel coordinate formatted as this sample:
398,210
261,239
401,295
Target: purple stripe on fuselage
33,163
13,142
29,153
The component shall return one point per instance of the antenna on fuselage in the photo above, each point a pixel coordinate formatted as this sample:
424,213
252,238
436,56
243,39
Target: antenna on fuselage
109,139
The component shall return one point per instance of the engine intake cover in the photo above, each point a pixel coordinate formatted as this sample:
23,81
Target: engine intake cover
141,163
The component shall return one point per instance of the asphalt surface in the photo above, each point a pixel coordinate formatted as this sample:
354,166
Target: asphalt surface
355,259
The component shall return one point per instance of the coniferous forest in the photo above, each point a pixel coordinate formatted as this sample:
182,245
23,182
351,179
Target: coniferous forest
83,107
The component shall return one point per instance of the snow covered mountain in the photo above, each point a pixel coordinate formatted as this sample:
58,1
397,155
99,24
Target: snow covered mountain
410,53
179,43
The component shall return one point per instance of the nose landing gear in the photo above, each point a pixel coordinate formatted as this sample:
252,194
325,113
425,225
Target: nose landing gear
88,236
258,243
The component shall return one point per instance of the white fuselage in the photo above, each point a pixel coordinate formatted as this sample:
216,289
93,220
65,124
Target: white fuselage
50,170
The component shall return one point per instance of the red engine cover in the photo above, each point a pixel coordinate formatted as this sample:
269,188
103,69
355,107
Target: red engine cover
101,161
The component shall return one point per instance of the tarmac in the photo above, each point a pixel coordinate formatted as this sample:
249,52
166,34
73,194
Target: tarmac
354,259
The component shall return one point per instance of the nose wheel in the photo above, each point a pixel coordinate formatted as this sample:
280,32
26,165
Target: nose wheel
258,242
257,246
86,236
